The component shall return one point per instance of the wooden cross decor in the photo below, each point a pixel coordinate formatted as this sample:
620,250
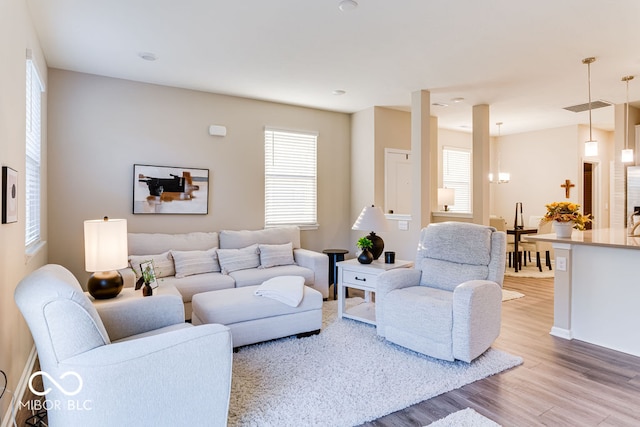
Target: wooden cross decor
567,187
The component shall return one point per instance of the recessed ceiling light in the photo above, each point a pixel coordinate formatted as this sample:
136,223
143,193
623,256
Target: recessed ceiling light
457,100
339,92
440,104
347,5
148,56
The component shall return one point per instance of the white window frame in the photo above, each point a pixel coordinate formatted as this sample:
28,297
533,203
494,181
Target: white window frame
33,156
290,176
456,174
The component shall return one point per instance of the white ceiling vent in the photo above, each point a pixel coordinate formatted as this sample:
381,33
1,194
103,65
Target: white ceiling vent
585,107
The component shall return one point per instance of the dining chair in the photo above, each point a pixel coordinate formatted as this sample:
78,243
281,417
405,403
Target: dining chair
500,224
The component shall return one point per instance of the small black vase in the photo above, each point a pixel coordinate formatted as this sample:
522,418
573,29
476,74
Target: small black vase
365,257
147,290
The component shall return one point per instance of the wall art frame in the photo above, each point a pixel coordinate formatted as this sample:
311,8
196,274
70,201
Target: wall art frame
9,195
170,190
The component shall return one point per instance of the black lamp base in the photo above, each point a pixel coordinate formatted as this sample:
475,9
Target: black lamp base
105,284
378,245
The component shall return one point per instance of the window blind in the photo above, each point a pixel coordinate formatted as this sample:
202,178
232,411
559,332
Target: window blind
456,174
33,155
290,178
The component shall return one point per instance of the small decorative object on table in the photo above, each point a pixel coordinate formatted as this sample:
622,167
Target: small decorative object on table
365,256
567,216
518,222
149,277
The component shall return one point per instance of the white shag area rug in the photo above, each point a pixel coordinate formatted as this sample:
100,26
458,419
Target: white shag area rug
530,271
467,418
344,376
508,295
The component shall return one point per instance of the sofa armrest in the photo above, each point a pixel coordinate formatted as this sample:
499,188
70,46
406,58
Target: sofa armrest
128,277
151,380
388,281
317,262
130,313
477,314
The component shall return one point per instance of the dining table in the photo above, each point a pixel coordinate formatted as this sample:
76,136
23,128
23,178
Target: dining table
517,233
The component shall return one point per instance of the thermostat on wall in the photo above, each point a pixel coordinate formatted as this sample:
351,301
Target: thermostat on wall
216,130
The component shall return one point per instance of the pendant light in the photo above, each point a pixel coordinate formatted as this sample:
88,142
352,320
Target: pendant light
503,177
590,146
627,153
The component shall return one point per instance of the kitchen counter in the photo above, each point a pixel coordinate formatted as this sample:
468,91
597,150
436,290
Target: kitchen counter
597,288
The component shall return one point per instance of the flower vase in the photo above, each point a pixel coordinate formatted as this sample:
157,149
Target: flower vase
563,229
365,257
147,290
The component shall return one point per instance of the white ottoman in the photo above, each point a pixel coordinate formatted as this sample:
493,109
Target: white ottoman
254,319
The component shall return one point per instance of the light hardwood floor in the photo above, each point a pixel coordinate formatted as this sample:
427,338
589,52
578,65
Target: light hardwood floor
561,383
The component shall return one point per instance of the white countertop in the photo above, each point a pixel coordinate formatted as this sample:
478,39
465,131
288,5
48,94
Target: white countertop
607,237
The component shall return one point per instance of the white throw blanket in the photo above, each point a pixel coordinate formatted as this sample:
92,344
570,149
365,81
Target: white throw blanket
286,289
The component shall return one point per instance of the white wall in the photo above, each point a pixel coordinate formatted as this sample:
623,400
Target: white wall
16,36
100,127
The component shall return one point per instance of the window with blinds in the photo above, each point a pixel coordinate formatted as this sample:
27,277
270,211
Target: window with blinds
456,174
290,174
33,150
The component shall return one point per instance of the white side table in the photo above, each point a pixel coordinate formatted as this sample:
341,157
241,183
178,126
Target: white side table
130,313
352,274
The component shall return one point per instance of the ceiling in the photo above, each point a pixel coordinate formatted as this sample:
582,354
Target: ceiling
524,59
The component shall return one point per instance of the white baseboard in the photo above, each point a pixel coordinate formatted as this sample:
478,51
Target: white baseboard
12,410
561,333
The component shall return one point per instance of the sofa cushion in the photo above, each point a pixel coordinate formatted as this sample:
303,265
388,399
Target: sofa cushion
256,276
188,263
154,243
274,255
232,239
162,264
238,259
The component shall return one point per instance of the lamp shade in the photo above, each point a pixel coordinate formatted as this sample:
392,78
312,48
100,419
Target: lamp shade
446,196
371,219
105,244
591,148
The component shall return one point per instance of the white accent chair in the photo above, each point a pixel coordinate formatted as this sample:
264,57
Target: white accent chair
177,374
449,305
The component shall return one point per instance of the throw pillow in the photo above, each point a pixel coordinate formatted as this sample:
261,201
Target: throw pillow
162,263
238,259
274,255
189,263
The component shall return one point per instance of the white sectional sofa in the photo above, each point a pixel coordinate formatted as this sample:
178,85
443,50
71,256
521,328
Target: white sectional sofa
206,261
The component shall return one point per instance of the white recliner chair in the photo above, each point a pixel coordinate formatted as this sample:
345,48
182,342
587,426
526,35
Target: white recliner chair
177,374
449,305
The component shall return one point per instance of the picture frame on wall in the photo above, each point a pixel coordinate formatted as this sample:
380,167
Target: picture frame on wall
170,190
9,195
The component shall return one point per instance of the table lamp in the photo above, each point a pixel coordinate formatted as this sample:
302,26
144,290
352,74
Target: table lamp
446,197
105,251
372,218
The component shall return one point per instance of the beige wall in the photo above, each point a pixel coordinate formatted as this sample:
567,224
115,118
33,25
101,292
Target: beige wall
100,127
16,36
539,162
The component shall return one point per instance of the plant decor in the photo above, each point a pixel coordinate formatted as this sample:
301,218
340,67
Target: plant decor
567,212
364,243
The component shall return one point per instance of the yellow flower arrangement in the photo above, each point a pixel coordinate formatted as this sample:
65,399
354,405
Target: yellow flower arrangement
567,212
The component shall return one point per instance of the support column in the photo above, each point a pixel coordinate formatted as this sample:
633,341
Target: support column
425,162
481,164
562,291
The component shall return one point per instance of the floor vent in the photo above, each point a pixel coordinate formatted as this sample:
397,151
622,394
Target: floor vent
585,107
